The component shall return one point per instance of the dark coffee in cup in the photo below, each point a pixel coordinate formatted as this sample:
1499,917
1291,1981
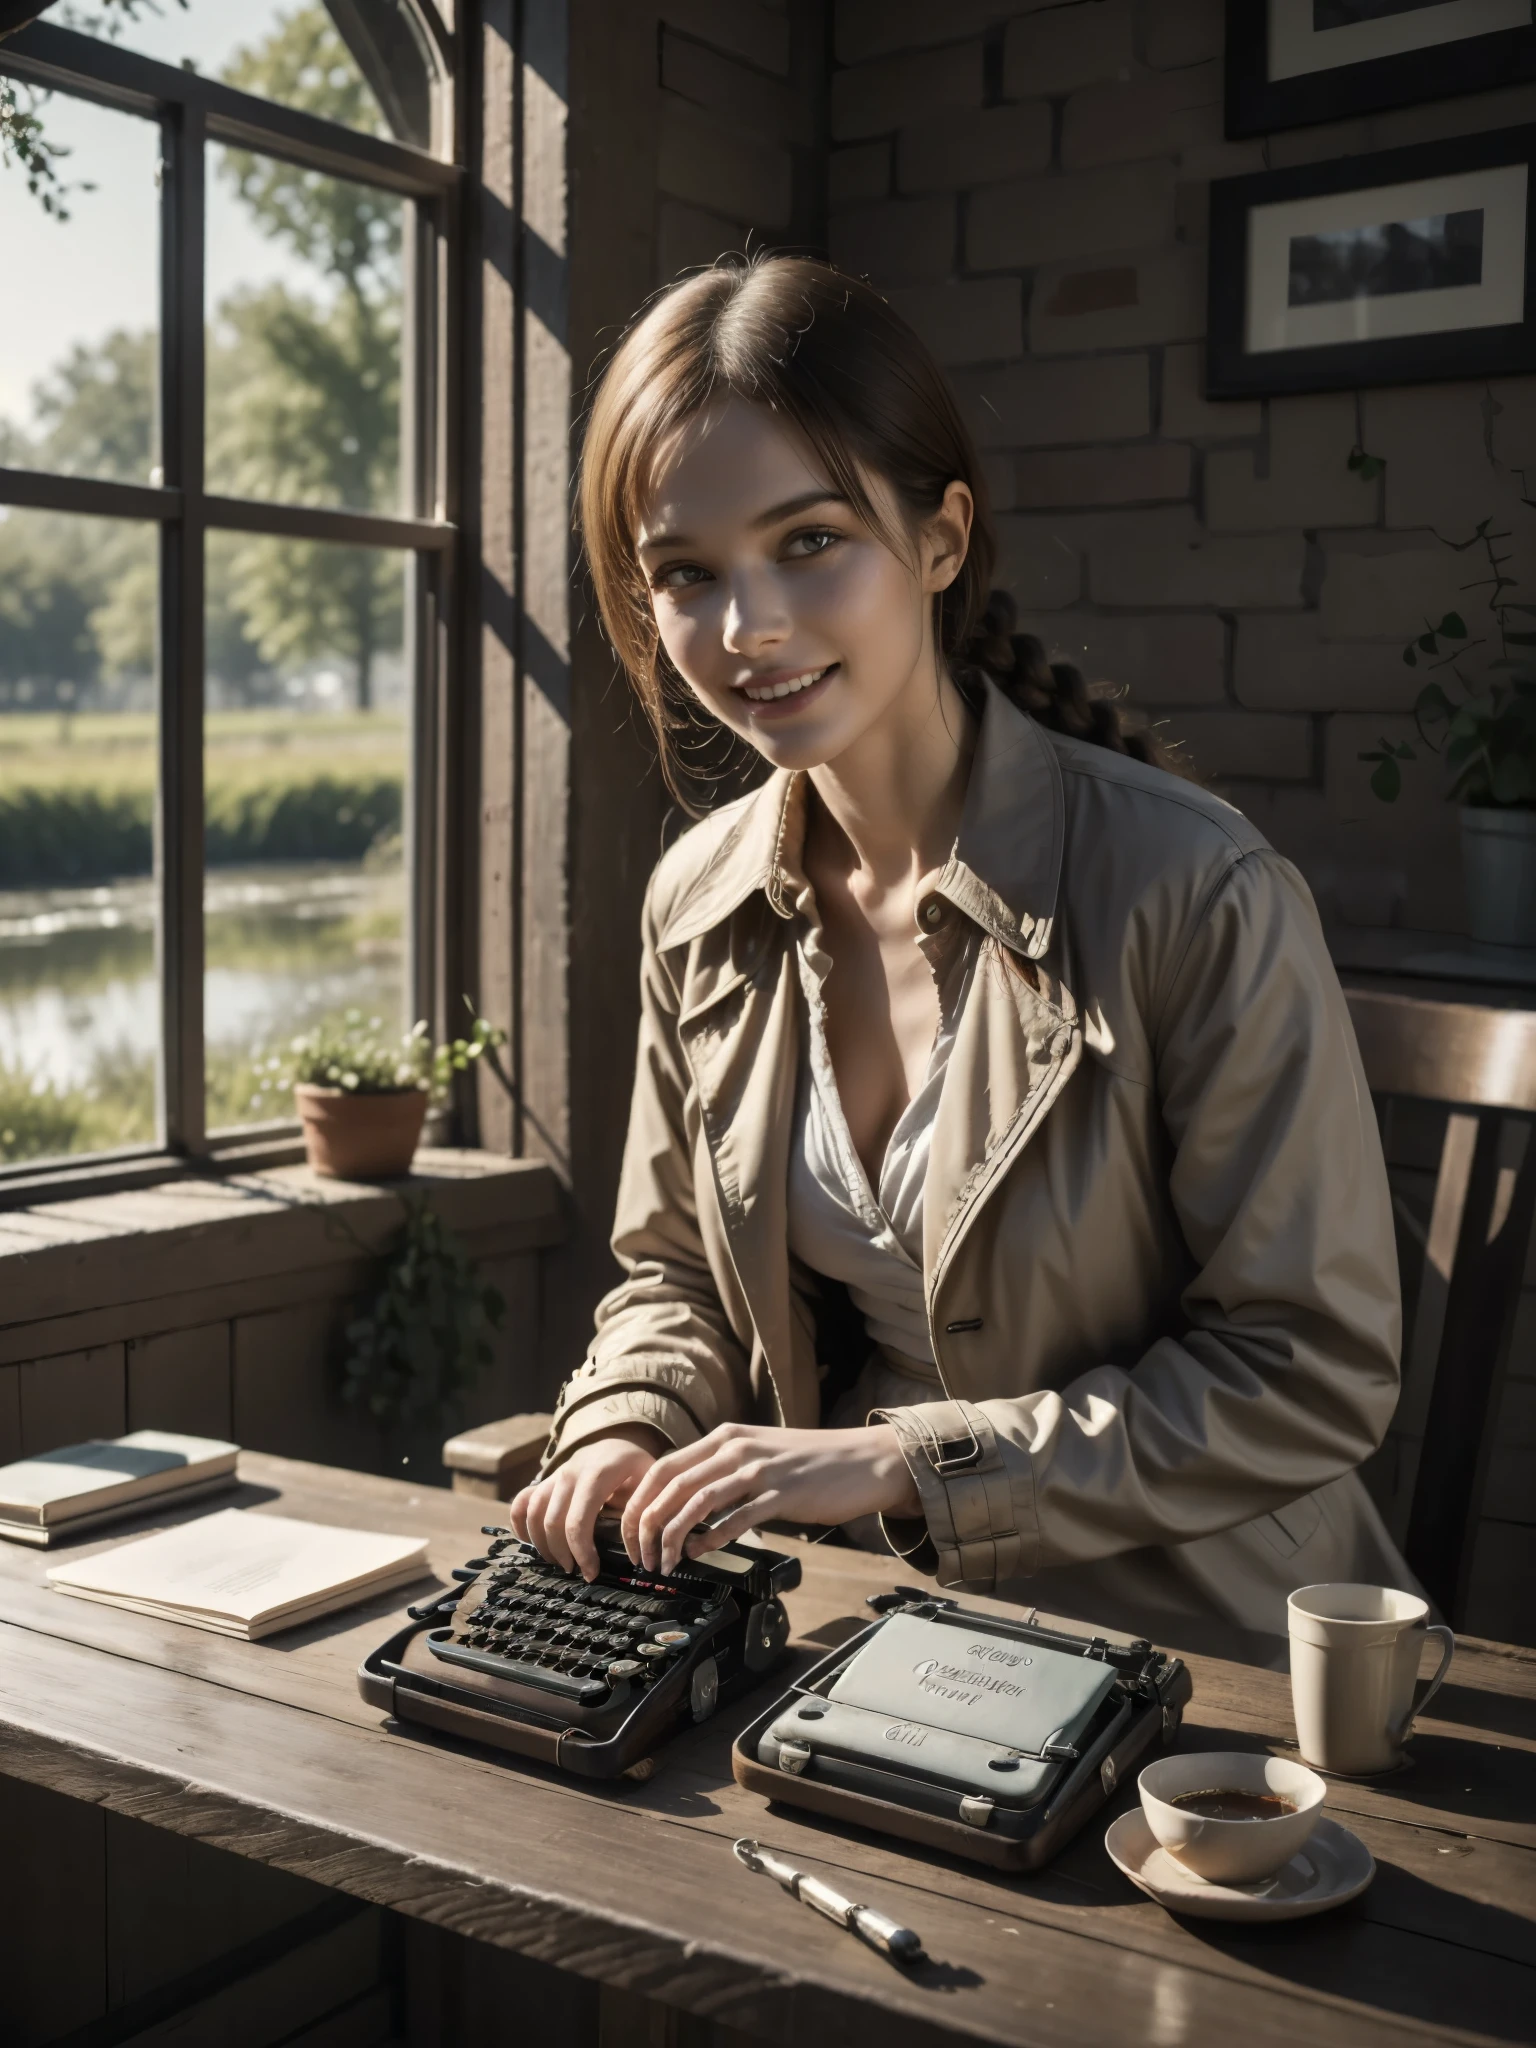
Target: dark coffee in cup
1224,1805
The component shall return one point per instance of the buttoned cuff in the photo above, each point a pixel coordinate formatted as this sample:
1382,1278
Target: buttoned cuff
616,1410
967,1494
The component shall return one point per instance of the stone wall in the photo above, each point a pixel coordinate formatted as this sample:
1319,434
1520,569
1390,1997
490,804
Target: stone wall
1030,182
742,148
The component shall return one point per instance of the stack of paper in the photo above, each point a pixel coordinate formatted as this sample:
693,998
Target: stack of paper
63,1492
245,1574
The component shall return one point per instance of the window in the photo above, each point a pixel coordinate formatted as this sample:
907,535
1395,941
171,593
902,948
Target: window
225,547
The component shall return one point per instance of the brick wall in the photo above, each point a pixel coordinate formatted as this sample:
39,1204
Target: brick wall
1030,183
742,145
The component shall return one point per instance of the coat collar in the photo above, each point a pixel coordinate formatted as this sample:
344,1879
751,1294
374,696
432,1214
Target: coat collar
1004,872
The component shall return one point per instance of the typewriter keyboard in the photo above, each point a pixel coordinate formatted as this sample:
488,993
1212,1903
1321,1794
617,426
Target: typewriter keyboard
540,1626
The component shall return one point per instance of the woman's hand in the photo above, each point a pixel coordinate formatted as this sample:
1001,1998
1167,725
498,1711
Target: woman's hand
749,1474
557,1515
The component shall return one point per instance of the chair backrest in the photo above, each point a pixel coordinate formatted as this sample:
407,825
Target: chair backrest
1481,1065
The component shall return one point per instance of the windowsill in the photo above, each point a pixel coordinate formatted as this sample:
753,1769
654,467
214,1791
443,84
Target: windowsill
1461,969
100,1265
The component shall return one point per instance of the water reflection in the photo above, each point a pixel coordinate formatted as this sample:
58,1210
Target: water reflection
287,944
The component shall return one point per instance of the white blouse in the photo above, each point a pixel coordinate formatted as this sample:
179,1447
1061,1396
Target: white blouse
869,1238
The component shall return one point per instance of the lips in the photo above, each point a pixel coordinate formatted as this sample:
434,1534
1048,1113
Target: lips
775,689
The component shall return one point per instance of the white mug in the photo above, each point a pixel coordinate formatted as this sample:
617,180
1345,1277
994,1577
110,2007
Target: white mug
1354,1662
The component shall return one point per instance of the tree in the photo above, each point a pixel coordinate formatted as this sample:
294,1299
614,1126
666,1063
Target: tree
305,394
96,411
46,641
303,405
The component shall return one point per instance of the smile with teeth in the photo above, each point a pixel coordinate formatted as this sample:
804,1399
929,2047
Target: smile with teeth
795,684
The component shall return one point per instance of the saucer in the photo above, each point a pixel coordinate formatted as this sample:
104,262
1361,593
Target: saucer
1334,1866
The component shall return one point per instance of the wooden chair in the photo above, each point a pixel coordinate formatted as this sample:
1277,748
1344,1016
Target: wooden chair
499,1458
1462,1269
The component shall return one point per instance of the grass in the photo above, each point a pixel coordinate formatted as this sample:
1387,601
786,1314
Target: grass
77,794
116,1107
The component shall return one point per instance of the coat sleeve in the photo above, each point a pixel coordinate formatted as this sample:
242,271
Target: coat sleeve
664,1352
1284,1373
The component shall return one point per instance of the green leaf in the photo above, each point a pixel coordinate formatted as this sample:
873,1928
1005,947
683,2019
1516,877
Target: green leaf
1410,657
1453,626
1387,781
1432,702
1427,643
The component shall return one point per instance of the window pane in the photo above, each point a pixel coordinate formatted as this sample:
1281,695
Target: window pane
79,1017
304,291
291,54
78,360
306,763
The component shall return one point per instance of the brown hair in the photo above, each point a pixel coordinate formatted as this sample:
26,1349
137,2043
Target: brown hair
838,364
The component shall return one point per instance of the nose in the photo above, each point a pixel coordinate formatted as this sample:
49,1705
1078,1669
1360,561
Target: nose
756,617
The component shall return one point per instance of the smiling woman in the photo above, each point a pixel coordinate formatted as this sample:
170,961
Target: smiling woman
997,1163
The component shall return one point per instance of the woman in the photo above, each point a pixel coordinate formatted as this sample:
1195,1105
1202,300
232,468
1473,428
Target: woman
1000,1163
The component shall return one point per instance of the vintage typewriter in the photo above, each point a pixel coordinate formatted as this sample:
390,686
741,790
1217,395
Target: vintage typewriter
992,1736
530,1658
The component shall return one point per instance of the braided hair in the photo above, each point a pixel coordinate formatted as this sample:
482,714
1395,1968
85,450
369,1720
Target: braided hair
1054,693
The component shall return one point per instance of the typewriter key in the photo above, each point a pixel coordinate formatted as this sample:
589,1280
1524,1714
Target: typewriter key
625,1667
654,1651
672,1638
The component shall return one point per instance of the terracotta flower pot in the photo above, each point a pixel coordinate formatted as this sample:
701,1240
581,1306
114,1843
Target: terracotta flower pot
360,1137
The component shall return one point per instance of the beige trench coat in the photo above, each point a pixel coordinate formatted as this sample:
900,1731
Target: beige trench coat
1158,1248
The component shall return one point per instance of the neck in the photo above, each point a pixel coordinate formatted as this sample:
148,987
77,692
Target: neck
896,795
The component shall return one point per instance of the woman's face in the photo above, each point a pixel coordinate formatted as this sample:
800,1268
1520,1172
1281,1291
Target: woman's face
790,620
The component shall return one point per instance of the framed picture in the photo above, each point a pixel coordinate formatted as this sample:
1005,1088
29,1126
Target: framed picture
1396,268
1292,62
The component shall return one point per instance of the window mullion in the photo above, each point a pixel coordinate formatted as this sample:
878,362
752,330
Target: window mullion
179,809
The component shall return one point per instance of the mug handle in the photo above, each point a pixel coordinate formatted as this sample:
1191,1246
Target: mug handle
1447,1651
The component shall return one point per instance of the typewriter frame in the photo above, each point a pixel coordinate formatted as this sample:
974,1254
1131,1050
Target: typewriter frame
1147,1717
404,1679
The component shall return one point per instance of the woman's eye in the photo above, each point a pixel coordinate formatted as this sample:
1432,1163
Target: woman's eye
815,542
679,576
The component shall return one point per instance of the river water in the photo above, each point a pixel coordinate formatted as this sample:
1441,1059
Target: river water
285,945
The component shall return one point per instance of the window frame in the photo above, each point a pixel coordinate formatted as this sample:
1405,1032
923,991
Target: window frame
193,111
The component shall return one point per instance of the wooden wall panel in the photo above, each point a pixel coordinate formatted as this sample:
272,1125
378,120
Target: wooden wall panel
53,1914
10,1413
82,1394
174,1906
286,1395
181,1379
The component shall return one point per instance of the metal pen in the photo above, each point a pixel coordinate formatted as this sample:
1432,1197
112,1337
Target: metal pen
873,1926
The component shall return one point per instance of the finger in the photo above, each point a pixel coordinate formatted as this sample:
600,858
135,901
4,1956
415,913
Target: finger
675,1500
663,1505
533,1513
517,1514
751,1514
699,1507
552,1541
588,1497
660,1475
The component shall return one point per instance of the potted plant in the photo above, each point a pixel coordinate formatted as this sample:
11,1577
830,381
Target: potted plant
361,1097
1482,720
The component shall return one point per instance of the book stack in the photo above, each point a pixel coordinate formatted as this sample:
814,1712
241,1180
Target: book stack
66,1492
244,1573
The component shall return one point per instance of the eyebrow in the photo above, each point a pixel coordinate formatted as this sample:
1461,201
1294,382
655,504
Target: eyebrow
771,517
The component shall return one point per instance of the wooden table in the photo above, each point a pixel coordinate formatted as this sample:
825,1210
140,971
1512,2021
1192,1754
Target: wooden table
267,1750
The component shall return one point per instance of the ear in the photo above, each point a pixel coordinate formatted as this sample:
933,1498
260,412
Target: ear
946,537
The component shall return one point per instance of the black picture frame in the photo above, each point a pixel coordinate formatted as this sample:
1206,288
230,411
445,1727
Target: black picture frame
1259,105
1495,351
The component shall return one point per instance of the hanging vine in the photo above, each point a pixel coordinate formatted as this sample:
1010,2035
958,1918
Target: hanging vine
425,1337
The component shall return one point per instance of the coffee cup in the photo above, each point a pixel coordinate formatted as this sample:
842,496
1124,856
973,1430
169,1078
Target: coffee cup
1230,1816
1354,1663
